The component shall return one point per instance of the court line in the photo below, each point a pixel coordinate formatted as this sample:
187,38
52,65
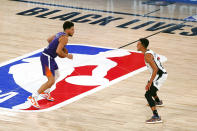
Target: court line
150,35
99,10
146,36
152,12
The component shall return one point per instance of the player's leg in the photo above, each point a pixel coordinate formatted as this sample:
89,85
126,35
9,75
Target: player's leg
45,93
55,72
149,94
158,102
158,83
44,90
47,85
57,76
150,101
48,67
49,73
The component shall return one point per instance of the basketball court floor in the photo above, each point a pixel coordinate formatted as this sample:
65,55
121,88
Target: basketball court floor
113,103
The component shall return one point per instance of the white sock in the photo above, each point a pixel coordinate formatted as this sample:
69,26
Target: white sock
35,95
47,90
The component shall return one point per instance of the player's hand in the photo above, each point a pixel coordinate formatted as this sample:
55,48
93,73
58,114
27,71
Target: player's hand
148,86
70,56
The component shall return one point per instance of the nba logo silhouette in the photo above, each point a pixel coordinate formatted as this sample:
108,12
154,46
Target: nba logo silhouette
92,69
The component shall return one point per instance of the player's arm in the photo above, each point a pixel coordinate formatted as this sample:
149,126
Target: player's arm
149,59
50,39
62,42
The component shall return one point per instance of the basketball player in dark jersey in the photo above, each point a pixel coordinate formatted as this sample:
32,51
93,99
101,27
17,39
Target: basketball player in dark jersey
158,76
55,48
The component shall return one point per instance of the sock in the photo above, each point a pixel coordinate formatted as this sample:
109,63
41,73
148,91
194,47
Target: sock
157,99
155,113
47,90
35,95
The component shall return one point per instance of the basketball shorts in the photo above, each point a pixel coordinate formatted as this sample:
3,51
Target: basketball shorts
159,80
48,65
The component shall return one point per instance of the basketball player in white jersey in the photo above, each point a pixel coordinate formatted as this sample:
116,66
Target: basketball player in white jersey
158,76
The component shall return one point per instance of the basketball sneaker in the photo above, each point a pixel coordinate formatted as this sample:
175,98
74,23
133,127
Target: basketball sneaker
154,120
33,102
47,96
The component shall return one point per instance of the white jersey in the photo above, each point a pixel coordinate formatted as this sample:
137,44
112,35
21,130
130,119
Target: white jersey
161,74
157,62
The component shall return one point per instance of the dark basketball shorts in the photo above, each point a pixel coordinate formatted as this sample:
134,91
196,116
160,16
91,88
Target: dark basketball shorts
48,65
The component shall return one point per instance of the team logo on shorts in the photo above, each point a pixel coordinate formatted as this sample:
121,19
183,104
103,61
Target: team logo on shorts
92,69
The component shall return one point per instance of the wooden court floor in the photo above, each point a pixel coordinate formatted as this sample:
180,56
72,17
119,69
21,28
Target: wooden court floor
122,106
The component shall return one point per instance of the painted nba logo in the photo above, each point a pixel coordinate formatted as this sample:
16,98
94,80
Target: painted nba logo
92,69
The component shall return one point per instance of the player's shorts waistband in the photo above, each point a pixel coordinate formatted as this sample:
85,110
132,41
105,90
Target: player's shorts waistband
46,54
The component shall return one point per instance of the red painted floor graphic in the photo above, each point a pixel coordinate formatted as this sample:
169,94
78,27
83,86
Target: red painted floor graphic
65,91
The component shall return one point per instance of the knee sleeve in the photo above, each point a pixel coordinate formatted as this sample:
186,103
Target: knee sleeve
153,90
149,99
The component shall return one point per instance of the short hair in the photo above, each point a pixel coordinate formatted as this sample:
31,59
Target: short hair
68,25
144,42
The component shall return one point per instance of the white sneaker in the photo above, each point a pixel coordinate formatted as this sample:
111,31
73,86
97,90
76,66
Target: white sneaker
47,96
33,102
